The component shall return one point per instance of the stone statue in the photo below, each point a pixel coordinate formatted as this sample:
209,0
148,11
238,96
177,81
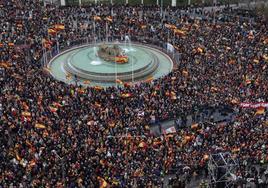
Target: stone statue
112,53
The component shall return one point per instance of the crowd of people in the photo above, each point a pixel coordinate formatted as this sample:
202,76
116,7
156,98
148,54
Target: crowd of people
57,135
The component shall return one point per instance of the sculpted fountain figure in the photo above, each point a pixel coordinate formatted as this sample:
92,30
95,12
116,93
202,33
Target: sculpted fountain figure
112,53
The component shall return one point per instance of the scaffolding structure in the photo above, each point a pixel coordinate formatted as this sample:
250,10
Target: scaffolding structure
222,169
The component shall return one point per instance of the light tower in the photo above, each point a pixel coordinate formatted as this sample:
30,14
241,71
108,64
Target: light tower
222,167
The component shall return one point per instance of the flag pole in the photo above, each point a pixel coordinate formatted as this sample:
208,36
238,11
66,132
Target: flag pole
132,71
115,72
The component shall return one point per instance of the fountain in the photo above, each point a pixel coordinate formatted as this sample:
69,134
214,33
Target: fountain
112,54
92,64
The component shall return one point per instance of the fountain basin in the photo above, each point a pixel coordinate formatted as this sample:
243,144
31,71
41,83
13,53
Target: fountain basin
83,63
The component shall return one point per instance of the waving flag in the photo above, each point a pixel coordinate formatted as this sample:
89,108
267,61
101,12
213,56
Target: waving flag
52,31
260,111
59,27
102,182
97,18
109,18
39,126
170,130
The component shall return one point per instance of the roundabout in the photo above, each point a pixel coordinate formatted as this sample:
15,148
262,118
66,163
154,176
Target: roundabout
83,65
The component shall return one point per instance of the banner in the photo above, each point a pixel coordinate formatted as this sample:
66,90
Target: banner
173,3
254,105
170,48
169,130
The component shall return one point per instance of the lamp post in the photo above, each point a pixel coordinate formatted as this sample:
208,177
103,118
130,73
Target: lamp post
161,8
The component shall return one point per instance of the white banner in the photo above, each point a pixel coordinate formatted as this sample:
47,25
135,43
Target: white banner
170,48
254,105
62,2
173,3
169,130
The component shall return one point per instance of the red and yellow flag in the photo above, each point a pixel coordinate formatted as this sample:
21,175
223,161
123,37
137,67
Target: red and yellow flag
260,111
59,27
109,18
97,18
40,126
119,81
51,31
103,182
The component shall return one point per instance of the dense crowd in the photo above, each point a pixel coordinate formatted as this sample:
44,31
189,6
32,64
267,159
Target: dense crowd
54,134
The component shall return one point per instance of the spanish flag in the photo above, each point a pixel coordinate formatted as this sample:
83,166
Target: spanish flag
68,76
142,145
260,111
179,32
26,114
194,126
256,61
265,57
17,156
11,44
151,78
109,19
121,59
51,31
185,73
5,65
232,61
86,82
200,50
97,104
125,95
39,126
143,26
98,88
119,81
170,26
173,95
97,18
206,157
47,43
102,182
59,27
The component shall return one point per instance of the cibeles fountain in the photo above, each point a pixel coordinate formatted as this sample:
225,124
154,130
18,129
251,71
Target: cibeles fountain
107,63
